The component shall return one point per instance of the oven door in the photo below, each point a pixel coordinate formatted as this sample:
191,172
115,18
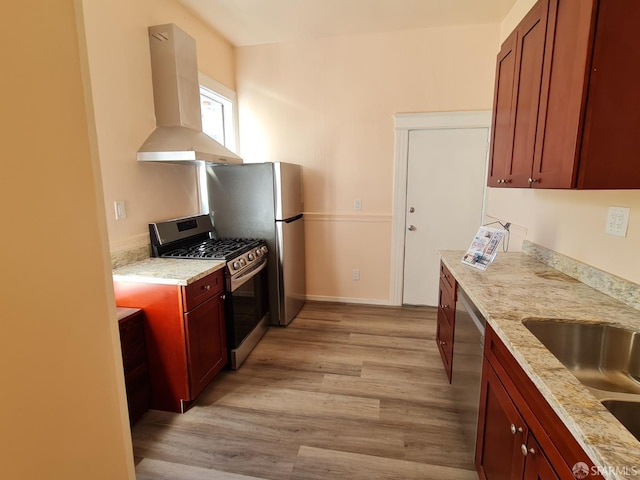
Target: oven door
246,303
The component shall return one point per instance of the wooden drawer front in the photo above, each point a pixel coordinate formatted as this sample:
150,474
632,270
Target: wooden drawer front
201,290
444,339
447,280
138,391
132,342
446,304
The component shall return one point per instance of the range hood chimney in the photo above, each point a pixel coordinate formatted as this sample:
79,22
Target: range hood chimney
178,137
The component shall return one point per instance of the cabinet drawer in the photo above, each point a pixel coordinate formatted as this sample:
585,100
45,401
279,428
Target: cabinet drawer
132,341
444,339
201,290
448,280
446,304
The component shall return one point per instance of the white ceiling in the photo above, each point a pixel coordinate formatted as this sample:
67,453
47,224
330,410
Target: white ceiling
252,22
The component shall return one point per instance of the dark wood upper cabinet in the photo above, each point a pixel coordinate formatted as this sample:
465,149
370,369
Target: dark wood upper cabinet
570,69
519,79
501,132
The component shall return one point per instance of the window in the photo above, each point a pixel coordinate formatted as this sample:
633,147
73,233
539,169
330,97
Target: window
219,120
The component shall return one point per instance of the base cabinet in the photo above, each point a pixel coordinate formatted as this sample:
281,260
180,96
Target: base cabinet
446,318
185,333
519,434
131,323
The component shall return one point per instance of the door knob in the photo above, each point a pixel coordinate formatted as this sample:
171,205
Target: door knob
411,228
411,209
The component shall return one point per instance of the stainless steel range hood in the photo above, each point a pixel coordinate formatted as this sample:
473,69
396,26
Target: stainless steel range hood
178,137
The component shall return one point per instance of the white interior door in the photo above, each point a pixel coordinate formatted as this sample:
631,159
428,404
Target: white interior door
445,193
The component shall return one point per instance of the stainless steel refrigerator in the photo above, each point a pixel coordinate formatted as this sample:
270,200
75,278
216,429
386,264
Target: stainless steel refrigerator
264,200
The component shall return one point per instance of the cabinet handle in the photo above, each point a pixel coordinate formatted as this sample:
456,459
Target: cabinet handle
444,306
525,451
515,429
533,180
443,343
206,287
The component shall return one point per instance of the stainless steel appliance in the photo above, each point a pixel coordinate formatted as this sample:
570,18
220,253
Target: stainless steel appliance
246,299
468,347
178,137
264,200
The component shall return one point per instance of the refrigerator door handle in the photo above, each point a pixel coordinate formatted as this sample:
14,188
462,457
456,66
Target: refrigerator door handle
293,219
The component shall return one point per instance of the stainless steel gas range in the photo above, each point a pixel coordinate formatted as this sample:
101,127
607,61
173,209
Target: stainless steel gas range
246,296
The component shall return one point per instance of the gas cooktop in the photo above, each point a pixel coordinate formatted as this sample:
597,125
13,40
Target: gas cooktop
195,238
214,249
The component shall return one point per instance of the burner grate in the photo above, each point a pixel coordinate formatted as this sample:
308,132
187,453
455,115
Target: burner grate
214,249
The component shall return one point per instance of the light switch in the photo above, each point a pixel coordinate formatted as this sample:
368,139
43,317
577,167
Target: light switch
121,211
357,204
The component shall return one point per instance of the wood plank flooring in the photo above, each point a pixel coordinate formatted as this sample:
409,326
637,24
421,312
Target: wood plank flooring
344,392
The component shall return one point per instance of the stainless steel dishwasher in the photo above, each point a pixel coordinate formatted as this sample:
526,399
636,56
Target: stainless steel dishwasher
468,345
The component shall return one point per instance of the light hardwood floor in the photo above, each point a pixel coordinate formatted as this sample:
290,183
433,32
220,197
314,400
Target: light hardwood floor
343,392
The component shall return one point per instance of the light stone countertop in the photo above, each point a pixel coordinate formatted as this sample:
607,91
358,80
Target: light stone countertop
517,287
166,271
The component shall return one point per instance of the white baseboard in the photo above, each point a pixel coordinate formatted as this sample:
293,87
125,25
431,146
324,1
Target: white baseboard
365,301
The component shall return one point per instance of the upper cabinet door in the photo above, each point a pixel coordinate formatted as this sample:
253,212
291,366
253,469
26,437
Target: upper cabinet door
503,113
517,99
555,164
611,139
530,56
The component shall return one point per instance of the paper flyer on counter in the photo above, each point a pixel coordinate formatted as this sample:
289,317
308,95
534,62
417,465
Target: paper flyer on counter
484,248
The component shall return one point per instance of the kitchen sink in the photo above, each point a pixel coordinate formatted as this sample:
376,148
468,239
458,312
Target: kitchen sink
627,413
603,357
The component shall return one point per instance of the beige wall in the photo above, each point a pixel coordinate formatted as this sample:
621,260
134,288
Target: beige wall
570,222
120,69
63,408
328,104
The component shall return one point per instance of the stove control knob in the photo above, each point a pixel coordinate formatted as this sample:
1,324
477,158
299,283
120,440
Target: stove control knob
264,249
251,257
243,262
258,252
235,265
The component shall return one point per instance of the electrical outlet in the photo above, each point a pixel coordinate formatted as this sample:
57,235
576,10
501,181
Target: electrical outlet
617,221
355,274
121,211
357,204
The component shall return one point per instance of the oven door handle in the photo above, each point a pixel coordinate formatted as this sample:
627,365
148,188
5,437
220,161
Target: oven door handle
246,276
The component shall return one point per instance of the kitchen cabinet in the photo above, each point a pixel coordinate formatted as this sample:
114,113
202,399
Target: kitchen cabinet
446,318
516,100
566,104
134,361
186,337
519,434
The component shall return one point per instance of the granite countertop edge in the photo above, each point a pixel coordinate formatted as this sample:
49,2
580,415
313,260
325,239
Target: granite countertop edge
166,271
517,287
